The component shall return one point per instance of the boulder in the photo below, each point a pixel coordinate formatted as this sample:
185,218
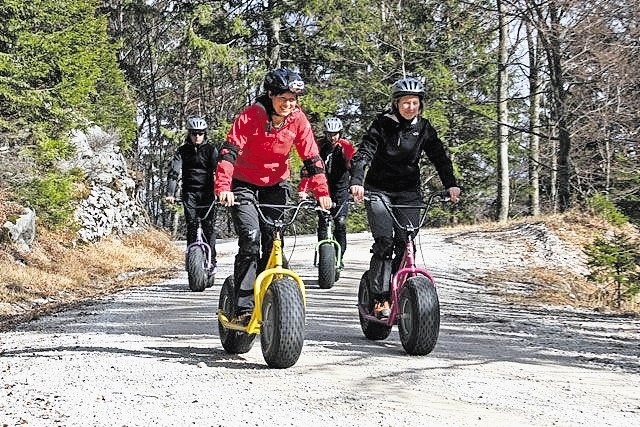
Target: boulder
23,231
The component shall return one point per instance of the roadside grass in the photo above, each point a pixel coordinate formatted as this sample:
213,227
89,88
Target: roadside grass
562,286
56,273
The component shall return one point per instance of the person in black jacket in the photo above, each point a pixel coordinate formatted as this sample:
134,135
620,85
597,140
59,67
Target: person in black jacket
392,149
196,162
336,153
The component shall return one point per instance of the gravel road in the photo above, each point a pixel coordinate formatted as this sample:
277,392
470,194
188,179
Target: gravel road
152,356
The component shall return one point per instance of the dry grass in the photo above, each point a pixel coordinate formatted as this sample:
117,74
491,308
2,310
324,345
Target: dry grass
56,273
576,229
7,208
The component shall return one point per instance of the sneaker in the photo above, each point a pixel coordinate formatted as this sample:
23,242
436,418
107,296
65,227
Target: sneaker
211,278
243,316
211,275
382,310
213,268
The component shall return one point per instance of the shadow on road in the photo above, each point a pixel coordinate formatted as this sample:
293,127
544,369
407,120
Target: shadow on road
475,327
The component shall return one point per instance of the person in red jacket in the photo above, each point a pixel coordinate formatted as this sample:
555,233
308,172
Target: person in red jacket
336,153
254,165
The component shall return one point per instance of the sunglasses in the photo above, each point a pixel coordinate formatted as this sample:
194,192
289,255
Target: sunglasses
196,132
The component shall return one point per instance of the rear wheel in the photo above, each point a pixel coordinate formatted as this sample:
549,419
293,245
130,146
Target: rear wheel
196,270
234,342
419,323
282,329
372,330
326,266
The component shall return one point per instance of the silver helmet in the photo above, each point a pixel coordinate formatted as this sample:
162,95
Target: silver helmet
332,124
407,86
196,123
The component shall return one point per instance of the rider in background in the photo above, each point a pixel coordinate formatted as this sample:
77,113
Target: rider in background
254,165
392,148
195,161
336,153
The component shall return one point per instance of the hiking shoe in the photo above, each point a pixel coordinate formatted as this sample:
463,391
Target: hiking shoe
244,319
382,310
211,275
243,316
210,280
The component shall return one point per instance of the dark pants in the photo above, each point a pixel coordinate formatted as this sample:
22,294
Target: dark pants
196,205
339,214
389,240
255,238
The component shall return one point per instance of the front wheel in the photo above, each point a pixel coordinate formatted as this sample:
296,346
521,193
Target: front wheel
233,341
419,323
372,330
326,266
283,318
196,270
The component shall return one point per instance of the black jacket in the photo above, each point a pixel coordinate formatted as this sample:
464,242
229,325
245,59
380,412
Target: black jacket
336,160
393,148
196,164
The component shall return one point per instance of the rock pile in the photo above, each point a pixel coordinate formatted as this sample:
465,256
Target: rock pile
110,207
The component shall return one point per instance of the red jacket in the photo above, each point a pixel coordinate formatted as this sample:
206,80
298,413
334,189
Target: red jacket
263,151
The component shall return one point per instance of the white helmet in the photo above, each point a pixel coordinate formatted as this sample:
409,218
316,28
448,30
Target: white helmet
196,123
332,124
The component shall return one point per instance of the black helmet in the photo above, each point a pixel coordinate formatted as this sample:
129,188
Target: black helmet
332,125
407,86
282,80
196,123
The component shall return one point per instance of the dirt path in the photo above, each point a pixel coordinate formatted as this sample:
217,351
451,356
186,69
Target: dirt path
151,356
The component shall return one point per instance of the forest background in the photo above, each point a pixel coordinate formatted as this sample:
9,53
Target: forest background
537,101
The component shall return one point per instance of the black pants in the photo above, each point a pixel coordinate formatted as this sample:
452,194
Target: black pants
389,240
255,238
339,214
196,205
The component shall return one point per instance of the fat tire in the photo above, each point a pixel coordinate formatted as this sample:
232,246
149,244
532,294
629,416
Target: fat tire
196,270
326,266
419,322
233,341
372,330
283,319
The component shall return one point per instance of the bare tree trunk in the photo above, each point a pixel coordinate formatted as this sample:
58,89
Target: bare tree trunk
273,37
534,122
559,97
175,224
503,117
275,51
554,167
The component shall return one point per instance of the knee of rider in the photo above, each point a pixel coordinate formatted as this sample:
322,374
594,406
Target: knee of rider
382,247
249,245
341,223
323,220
